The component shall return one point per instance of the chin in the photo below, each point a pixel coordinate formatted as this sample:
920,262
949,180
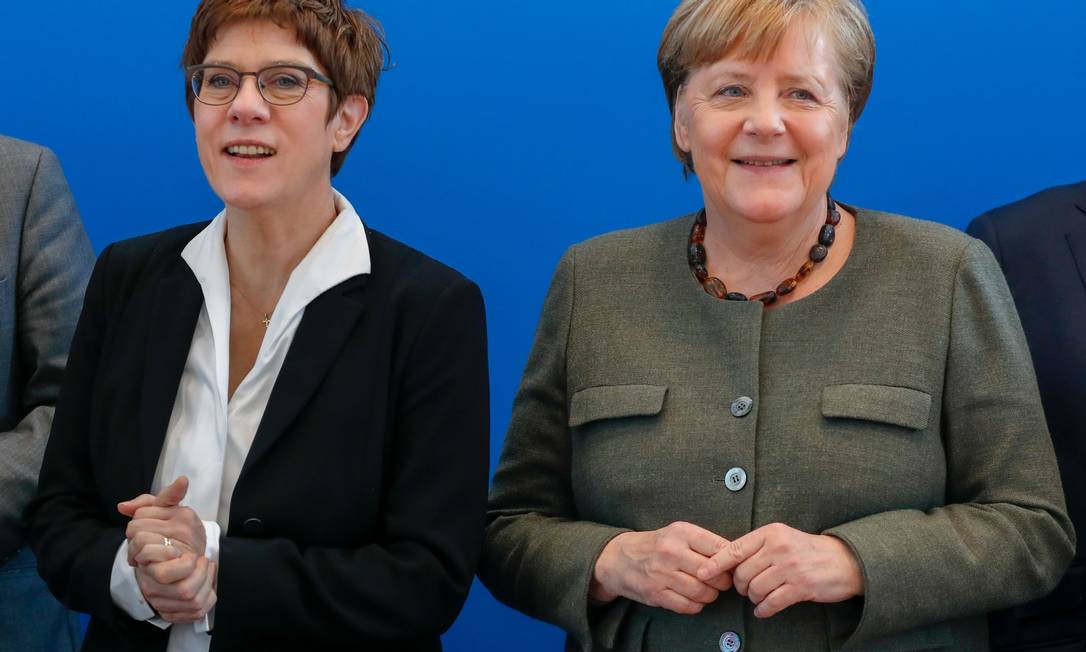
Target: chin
767,210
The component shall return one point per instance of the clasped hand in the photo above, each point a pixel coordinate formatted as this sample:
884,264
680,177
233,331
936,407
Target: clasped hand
683,567
176,579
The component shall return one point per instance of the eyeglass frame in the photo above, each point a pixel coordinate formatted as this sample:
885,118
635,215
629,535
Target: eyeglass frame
310,75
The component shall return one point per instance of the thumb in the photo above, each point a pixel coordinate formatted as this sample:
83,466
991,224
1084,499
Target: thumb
129,507
172,495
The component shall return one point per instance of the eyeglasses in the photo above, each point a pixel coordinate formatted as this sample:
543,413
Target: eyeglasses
280,85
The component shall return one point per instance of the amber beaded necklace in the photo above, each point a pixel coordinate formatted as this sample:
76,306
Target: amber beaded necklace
695,256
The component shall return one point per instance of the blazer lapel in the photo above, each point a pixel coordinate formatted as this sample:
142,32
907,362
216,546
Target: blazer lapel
1076,239
327,323
175,309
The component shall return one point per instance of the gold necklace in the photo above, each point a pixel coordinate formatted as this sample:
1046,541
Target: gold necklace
267,316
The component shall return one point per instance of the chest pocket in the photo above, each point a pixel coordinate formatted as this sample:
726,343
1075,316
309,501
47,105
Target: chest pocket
615,401
899,406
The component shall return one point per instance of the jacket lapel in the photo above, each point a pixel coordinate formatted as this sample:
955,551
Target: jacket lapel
175,310
327,323
1076,239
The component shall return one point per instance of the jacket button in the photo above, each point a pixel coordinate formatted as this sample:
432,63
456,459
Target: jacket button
730,642
741,406
253,525
735,479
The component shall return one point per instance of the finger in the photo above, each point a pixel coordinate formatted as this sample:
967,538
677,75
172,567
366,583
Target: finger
783,597
129,507
733,554
170,572
722,582
672,601
152,525
703,541
181,617
156,553
173,494
750,568
157,513
765,583
691,588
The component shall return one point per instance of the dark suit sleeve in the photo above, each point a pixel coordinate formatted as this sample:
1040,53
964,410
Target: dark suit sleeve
983,229
54,261
411,584
71,531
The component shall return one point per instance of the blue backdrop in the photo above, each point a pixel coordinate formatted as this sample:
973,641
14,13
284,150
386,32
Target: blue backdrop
507,131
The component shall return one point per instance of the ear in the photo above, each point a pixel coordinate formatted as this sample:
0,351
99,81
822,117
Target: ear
680,123
350,116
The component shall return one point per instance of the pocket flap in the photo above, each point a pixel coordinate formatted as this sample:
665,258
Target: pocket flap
612,401
900,406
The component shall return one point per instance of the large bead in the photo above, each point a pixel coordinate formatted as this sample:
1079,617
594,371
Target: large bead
700,217
827,235
697,234
787,286
715,287
695,254
804,270
700,273
735,296
818,253
767,298
833,217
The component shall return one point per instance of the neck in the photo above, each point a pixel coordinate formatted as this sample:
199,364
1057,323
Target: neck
264,246
752,257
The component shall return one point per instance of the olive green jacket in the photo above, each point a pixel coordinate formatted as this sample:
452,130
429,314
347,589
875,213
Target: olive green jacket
895,408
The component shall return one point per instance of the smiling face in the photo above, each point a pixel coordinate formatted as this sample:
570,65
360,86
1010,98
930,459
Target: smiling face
257,155
766,135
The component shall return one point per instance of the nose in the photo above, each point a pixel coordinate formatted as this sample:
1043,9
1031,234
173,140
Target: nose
249,105
765,118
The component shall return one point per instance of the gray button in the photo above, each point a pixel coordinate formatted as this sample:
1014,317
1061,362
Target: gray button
735,479
741,406
730,642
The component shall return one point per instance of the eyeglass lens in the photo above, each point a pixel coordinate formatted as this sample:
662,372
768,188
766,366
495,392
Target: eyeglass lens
279,85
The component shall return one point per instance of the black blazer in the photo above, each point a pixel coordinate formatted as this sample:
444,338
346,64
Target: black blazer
357,519
1040,242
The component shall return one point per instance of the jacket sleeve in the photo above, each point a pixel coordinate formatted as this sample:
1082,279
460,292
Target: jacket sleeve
413,582
984,230
539,557
54,262
74,536
1003,536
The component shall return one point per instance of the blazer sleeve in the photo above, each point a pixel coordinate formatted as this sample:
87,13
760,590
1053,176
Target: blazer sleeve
539,557
54,262
71,531
1003,536
412,583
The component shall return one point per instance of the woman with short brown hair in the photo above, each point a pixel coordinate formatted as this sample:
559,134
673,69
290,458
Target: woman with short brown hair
273,430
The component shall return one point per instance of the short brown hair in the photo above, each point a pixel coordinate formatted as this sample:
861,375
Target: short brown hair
700,32
347,43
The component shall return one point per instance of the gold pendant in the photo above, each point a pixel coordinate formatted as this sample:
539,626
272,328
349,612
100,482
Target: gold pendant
266,321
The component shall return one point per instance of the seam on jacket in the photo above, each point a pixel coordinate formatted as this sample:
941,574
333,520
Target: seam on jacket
569,325
22,234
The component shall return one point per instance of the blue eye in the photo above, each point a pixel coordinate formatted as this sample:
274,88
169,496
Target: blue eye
730,91
801,94
219,81
284,81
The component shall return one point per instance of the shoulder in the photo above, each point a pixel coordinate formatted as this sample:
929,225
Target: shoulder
925,247
142,258
1047,207
13,150
634,251
406,274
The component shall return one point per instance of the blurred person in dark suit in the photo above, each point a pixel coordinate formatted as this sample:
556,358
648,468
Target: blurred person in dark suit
45,259
1040,242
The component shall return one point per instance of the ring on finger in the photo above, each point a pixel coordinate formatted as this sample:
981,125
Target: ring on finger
166,542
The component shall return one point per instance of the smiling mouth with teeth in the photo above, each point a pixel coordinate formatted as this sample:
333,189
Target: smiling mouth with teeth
766,164
250,151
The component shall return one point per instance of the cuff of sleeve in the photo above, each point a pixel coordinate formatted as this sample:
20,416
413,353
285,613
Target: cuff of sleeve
212,533
125,590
